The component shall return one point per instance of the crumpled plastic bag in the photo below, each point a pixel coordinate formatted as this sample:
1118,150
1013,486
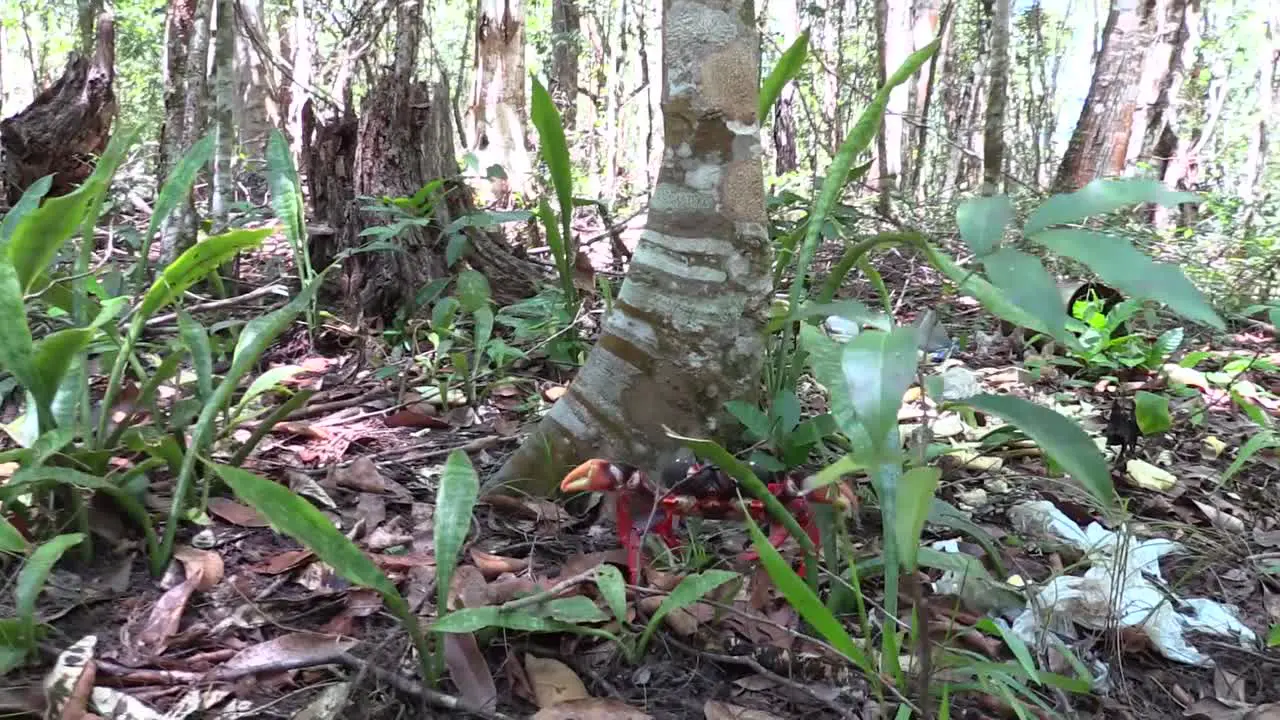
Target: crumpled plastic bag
1116,589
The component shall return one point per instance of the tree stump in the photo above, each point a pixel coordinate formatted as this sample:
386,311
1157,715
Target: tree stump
66,127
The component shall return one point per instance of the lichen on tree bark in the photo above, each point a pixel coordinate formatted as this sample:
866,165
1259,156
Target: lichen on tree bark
685,334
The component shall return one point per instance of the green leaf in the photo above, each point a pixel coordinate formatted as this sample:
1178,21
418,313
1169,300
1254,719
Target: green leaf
824,358
12,541
455,502
35,571
804,600
858,140
789,65
457,247
1026,283
487,219
982,222
469,620
196,338
1152,412
1103,196
177,186
555,152
29,201
15,644
878,368
575,609
1273,636
559,251
473,290
290,514
751,417
1122,266
1260,441
17,350
286,192
613,589
1015,643
198,261
53,356
689,591
915,500
991,297
1060,438
265,382
1165,345
42,232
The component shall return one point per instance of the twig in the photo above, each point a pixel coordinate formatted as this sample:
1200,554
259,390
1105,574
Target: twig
220,304
310,411
415,690
580,579
751,663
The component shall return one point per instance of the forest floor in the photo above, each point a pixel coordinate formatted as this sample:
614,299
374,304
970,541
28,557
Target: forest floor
279,634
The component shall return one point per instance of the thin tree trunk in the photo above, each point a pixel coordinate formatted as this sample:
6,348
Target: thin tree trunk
1157,68
685,334
565,38
893,45
924,27
498,99
224,54
997,98
786,107
301,71
87,12
1258,151
179,230
179,18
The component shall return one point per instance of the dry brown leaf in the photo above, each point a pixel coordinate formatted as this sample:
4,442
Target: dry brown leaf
282,562
553,392
403,562
468,589
718,710
414,417
422,581
469,671
683,621
205,563
151,639
540,510
361,475
494,565
509,588
235,513
580,563
1220,519
382,538
591,709
296,649
664,581
553,681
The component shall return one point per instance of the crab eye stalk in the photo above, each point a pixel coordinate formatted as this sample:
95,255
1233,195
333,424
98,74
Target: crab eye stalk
591,476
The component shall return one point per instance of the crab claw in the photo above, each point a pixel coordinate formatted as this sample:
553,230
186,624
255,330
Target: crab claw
593,476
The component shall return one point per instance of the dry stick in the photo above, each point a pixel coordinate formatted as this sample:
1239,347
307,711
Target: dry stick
310,411
220,304
415,690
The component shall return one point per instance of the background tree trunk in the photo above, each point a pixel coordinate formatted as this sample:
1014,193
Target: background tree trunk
179,20
997,98
893,45
224,55
66,126
1258,151
178,231
685,334
498,106
1157,71
787,106
1099,143
565,37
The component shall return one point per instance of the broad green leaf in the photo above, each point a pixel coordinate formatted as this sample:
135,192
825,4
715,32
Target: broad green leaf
751,417
12,541
290,514
15,644
555,152
824,358
455,502
469,620
991,297
1059,437
473,290
1152,412
42,232
858,140
1260,441
1026,283
878,368
1122,266
1103,196
54,354
982,222
690,590
49,444
17,350
804,600
196,338
613,589
789,65
29,201
35,571
265,382
286,194
487,219
848,309
947,515
177,186
915,500
574,609
1273,636
198,261
457,247
559,252
1165,345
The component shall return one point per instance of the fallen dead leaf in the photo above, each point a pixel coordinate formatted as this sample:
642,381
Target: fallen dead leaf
296,649
580,563
282,562
494,565
205,564
328,705
151,638
683,621
235,513
301,429
554,392
382,538
591,709
554,682
718,710
469,671
304,484
361,475
414,417
1220,519
468,589
403,562
1148,476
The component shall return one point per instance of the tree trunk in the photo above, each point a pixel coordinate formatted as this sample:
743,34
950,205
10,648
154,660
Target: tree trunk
787,105
498,97
179,19
997,98
565,38
65,127
300,44
257,108
893,45
178,231
1157,72
685,334
88,10
925,21
224,55
1099,143
1259,134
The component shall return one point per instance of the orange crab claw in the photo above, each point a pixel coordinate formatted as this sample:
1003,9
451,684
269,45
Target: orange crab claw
592,476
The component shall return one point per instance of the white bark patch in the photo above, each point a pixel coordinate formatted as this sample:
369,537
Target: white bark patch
678,244
652,257
739,128
705,177
679,199
692,31
570,416
688,314
632,329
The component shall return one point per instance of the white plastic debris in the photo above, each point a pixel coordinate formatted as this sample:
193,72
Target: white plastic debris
1123,587
842,329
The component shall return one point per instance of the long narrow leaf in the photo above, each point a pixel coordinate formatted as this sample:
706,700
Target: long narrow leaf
690,590
788,67
29,201
455,501
36,571
555,152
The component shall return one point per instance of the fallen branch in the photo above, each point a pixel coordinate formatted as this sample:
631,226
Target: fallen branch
221,304
415,690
